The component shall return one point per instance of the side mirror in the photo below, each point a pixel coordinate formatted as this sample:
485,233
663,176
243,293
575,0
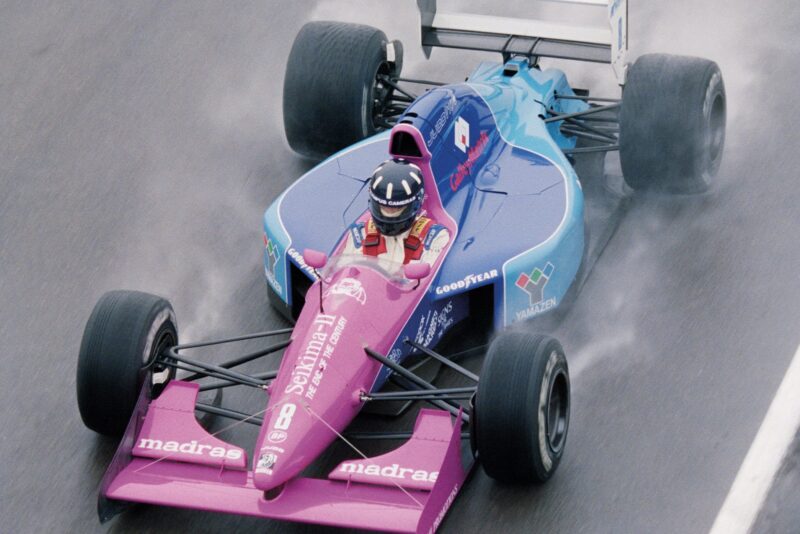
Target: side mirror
416,271
314,258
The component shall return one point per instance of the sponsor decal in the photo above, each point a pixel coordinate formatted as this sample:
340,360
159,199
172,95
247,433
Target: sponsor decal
350,287
277,436
394,203
462,134
432,233
433,325
311,363
464,169
533,284
266,461
395,354
355,233
307,360
445,507
389,471
297,257
467,281
271,255
191,447
442,120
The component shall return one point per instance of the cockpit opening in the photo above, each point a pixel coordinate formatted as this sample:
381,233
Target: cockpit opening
403,144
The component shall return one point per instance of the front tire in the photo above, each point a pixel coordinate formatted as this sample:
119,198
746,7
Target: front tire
522,407
331,91
125,333
672,123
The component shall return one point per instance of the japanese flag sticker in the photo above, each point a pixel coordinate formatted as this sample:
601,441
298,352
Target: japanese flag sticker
462,134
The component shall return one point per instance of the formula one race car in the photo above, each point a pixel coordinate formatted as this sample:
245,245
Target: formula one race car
496,158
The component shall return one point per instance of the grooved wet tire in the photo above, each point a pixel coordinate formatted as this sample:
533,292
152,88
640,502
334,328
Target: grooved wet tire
672,123
125,331
521,415
329,86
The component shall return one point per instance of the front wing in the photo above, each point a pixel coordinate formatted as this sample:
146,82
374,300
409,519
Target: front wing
375,493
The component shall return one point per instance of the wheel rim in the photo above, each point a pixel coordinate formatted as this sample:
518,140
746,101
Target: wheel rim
160,373
379,95
716,128
557,411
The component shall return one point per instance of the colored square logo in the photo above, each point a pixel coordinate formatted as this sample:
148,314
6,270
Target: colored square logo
534,283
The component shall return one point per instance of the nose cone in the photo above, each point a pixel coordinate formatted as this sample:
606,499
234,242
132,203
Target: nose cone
315,394
290,441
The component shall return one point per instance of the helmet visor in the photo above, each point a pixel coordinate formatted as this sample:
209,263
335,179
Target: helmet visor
393,220
392,212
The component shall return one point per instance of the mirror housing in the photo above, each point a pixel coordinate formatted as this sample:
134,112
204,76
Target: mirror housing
314,258
416,271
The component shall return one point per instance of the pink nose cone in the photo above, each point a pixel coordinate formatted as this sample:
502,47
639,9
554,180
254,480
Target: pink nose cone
283,454
272,470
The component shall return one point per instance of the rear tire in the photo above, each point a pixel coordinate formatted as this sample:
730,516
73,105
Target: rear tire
521,412
123,336
330,87
672,123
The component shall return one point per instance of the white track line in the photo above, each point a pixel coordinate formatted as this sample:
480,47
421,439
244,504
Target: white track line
764,458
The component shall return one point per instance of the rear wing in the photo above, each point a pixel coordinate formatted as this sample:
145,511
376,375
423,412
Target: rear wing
533,38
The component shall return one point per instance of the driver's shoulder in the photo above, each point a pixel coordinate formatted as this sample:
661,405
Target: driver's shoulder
438,234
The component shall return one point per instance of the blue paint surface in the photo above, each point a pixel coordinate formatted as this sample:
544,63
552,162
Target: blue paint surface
501,174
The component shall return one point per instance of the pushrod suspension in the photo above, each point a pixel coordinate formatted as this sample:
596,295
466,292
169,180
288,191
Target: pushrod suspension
570,123
216,369
446,361
269,375
590,149
414,379
398,396
585,135
421,82
247,358
388,81
210,374
233,339
388,435
422,392
590,111
586,98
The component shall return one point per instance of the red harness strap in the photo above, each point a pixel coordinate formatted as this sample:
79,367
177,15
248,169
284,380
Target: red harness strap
375,243
416,237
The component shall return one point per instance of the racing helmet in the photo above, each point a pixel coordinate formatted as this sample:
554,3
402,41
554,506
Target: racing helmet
395,196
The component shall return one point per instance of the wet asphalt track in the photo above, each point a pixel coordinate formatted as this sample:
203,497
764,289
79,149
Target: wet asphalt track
141,141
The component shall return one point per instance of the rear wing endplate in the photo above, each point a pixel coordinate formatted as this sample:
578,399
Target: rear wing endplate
530,37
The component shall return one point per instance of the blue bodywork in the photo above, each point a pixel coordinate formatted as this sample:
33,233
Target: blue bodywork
501,175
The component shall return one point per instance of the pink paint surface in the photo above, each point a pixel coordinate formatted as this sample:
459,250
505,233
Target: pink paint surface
413,465
328,502
171,431
315,395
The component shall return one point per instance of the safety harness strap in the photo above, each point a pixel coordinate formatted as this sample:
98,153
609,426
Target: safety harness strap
374,242
413,243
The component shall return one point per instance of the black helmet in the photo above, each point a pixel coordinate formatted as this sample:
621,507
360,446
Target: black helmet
395,196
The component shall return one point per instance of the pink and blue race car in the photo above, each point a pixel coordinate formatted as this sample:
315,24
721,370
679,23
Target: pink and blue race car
496,155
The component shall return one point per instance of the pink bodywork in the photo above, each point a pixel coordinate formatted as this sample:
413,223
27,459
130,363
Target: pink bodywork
316,394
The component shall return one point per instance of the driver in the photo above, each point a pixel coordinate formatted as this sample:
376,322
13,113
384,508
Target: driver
397,229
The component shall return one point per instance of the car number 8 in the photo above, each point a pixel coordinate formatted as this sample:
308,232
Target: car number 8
285,417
